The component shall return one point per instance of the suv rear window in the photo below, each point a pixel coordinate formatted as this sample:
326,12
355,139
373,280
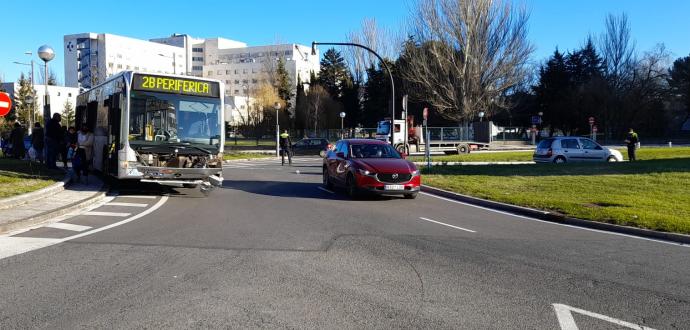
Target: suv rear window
544,144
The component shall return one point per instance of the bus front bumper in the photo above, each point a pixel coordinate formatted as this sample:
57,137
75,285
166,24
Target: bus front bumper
181,176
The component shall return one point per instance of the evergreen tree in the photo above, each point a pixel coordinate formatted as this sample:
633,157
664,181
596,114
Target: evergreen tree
283,83
333,75
679,80
68,114
24,109
377,95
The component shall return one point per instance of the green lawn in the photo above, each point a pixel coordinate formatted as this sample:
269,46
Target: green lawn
653,194
19,177
644,153
230,142
240,155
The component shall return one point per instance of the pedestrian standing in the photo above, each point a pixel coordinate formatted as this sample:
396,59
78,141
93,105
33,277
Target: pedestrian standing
62,147
632,142
71,142
37,141
84,152
285,145
54,137
17,140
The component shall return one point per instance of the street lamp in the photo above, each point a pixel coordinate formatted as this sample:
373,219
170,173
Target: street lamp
390,75
173,58
33,89
481,116
277,107
46,53
342,118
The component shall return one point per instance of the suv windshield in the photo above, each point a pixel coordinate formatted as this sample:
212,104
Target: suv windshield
159,117
373,151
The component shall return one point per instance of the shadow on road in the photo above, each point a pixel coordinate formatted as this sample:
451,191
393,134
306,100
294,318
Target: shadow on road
282,189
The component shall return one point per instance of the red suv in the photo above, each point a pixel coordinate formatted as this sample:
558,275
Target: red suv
370,166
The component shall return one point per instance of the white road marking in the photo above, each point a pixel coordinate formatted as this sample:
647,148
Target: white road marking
10,246
107,214
137,196
326,190
567,322
127,204
447,225
556,223
67,226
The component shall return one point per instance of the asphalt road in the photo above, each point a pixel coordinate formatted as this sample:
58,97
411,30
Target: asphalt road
272,249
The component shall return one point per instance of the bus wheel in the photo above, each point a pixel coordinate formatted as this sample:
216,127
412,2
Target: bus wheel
401,148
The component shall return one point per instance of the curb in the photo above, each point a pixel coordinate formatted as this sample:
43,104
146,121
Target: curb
557,218
10,202
230,161
45,216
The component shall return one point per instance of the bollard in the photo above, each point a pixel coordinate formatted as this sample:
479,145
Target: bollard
670,144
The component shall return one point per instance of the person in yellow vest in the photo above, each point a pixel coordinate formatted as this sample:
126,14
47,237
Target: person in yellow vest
285,145
632,142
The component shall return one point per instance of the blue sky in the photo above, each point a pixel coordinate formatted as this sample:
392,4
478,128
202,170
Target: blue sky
553,22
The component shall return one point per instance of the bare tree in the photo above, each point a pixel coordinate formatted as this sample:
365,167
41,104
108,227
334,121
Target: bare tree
316,97
618,49
382,40
466,54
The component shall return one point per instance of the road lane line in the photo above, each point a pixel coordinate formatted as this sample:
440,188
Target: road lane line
554,223
567,322
127,204
447,225
107,214
67,226
326,190
137,196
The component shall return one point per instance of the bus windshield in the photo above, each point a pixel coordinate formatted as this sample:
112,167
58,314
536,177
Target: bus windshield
383,128
165,118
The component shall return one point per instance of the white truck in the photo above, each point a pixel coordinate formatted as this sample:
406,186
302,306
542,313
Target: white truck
410,138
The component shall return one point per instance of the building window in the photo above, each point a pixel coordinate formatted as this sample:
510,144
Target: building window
237,81
119,66
244,71
119,55
110,65
210,73
253,70
69,94
244,81
236,71
136,68
197,50
254,81
197,67
198,59
237,91
227,71
220,72
58,94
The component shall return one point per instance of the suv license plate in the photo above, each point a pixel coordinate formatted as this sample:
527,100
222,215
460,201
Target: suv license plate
394,187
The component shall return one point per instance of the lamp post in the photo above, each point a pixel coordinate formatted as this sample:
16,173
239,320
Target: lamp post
33,89
390,75
46,53
481,116
342,118
277,107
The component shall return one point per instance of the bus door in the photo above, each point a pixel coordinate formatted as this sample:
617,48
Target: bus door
114,128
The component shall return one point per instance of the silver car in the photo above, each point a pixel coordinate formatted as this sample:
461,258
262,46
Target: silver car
563,149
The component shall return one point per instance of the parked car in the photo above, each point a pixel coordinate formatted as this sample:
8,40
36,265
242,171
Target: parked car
370,166
310,147
565,149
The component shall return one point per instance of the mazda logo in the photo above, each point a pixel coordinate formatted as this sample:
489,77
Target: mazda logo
394,176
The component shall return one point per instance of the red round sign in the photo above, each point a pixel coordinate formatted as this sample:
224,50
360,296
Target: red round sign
591,120
5,104
425,114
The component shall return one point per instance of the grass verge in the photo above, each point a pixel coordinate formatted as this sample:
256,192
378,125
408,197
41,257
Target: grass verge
644,153
650,194
20,177
240,155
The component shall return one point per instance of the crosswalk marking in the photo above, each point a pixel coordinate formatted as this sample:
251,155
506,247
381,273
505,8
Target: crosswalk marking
127,204
68,226
107,214
138,196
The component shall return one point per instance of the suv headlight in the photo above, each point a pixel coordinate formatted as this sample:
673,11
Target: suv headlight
415,173
365,172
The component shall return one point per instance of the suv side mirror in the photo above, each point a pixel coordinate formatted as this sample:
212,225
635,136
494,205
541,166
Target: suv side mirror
340,154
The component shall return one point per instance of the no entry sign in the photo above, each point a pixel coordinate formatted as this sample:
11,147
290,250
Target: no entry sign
5,104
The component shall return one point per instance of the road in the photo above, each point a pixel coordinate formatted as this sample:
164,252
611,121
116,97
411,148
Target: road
273,249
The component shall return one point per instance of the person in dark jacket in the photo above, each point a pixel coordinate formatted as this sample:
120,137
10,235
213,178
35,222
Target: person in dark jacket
37,141
17,140
62,147
631,141
54,138
285,145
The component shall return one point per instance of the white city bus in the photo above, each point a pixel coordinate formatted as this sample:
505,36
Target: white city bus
156,128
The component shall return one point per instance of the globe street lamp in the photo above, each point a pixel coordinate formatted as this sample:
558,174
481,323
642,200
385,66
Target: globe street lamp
277,107
481,116
342,118
46,53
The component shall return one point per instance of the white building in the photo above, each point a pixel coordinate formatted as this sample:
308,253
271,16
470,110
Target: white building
91,57
58,96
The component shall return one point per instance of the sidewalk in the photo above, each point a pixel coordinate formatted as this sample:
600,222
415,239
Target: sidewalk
50,202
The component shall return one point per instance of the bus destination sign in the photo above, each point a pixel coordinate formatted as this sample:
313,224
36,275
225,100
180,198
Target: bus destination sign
152,83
